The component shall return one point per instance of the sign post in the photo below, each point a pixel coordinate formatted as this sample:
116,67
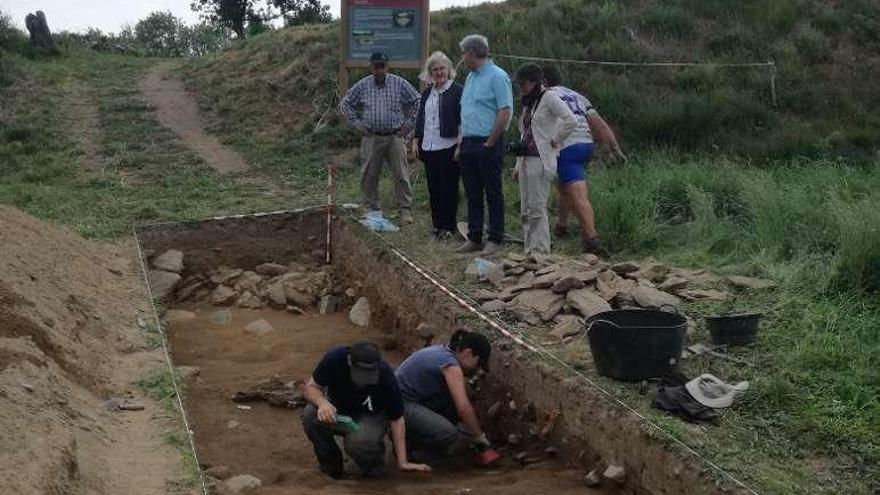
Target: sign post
399,28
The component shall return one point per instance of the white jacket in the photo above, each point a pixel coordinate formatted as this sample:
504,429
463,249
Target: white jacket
551,121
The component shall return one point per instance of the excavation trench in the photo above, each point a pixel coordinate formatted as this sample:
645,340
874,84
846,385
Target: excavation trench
552,407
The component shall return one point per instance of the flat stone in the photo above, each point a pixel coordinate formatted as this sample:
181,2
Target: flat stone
537,305
590,258
493,410
567,283
494,305
516,257
625,267
546,280
189,292
360,312
587,302
483,295
162,284
169,261
517,270
271,269
652,271
249,282
277,295
187,372
703,295
221,317
223,296
131,405
673,283
328,304
295,310
179,315
615,473
219,472
741,282
606,276
586,276
226,275
239,484
649,297
298,298
547,269
514,439
495,274
259,327
566,326
232,424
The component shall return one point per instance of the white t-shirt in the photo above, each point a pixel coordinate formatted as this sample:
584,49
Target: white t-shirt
432,140
581,107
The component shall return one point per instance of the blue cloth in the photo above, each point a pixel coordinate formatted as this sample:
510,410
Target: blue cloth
572,162
332,373
421,375
383,109
375,221
486,91
481,175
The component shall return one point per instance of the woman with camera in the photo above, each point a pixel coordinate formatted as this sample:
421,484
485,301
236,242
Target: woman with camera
436,141
545,122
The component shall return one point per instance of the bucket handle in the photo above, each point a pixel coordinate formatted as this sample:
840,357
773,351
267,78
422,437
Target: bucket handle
615,325
675,309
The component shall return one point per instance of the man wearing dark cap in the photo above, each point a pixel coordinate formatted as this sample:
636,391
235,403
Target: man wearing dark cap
432,382
355,382
383,108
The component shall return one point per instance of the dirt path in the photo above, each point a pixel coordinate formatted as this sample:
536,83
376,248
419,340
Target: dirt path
269,443
178,110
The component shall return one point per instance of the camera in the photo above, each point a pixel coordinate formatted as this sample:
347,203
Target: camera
518,148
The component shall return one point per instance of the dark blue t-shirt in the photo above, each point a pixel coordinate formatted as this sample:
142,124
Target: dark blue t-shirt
332,373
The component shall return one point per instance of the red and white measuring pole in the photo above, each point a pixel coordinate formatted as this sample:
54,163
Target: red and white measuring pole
329,207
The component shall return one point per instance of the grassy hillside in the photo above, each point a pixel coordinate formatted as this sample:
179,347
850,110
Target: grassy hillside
827,56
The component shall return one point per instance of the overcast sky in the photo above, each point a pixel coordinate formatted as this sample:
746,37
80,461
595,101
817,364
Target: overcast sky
109,15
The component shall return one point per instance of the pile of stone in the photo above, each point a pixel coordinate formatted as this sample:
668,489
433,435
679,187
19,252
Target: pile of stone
544,289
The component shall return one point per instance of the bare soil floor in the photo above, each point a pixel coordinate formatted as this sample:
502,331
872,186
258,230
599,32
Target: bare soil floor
269,443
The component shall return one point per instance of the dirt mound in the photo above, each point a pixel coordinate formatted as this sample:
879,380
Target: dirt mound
69,339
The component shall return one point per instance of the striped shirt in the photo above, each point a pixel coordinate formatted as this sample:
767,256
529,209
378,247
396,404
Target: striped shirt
384,108
581,107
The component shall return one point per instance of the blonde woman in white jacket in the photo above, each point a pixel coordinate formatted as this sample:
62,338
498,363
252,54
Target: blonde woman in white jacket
545,122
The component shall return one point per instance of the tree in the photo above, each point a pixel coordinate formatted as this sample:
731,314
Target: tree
297,12
201,39
160,35
230,14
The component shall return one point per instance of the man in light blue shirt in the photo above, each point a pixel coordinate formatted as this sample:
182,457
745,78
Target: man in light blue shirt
486,107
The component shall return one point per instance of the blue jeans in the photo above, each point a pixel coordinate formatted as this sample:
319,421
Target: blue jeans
481,175
365,446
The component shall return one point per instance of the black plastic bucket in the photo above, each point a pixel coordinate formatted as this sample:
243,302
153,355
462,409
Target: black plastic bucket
733,328
636,344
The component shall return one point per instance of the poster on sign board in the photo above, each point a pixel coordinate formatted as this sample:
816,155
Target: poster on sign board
395,27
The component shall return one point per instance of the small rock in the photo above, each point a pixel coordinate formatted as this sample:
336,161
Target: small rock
350,292
654,272
130,405
566,326
750,283
703,295
179,315
547,269
567,283
590,258
239,484
517,270
219,472
587,276
546,280
360,312
27,386
538,305
511,405
271,269
624,267
493,410
514,439
516,257
520,456
425,331
551,451
169,261
223,296
232,424
162,284
187,372
221,317
295,310
259,327
249,300
495,275
493,306
225,275
298,298
615,473
483,295
328,304
592,478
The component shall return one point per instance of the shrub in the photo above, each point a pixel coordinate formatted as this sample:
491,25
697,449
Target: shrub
669,20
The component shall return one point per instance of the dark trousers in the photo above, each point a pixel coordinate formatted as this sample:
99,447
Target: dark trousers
365,446
429,431
442,174
481,174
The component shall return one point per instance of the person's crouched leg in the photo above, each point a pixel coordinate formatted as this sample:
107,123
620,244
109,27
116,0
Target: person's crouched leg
328,453
367,445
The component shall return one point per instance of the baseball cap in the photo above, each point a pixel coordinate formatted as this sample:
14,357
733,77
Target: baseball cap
379,57
363,363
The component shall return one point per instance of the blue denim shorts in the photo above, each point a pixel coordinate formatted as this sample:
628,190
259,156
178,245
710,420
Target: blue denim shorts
572,163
